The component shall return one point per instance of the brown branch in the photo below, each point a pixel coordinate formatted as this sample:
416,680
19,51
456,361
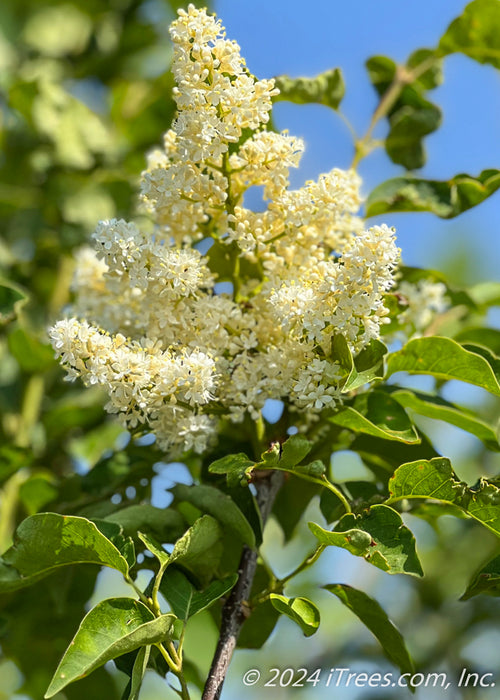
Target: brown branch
233,613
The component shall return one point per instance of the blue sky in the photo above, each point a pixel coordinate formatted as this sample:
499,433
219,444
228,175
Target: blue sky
299,38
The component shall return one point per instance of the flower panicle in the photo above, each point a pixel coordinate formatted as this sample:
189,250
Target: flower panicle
170,332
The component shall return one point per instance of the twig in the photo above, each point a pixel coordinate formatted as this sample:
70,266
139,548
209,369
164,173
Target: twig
233,612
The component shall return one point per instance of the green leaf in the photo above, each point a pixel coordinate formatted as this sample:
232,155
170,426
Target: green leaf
490,357
436,479
46,541
486,294
184,598
445,359
440,409
31,354
377,414
114,627
247,503
384,456
315,469
482,502
355,541
341,353
114,533
198,551
444,198
165,524
236,467
293,451
486,581
137,673
375,618
411,116
286,457
362,369
368,365
476,33
487,337
327,89
12,299
212,501
378,535
37,491
155,548
201,537
427,479
301,610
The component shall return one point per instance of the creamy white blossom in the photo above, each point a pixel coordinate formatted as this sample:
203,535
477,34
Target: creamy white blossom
149,323
422,300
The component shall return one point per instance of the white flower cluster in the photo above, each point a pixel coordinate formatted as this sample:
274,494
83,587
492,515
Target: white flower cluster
423,300
173,352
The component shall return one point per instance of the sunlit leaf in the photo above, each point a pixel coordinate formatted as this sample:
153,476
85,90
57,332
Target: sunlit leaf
326,89
440,409
301,610
445,359
236,467
362,369
114,627
379,535
476,33
154,547
46,541
445,198
486,294
355,541
377,414
436,479
488,337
